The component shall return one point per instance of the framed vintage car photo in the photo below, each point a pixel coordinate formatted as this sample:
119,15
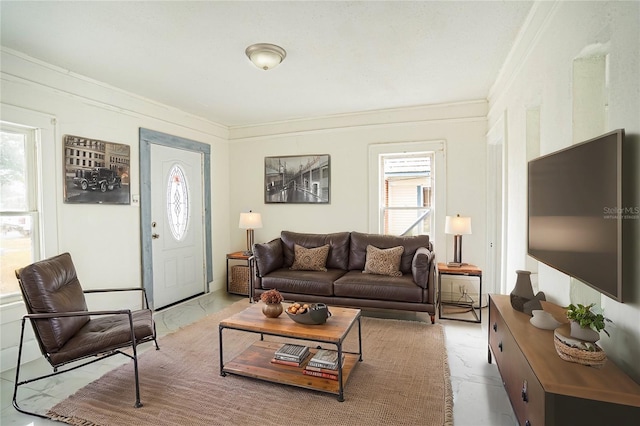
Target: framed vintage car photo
95,171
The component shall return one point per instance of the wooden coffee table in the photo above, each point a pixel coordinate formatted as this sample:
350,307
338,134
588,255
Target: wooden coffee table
255,361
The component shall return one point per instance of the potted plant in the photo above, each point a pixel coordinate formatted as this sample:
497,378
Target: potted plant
586,323
272,303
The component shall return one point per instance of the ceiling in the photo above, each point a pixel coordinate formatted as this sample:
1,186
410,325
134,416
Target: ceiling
342,57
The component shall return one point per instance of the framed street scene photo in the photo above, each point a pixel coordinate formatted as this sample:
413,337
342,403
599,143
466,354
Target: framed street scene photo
95,172
297,179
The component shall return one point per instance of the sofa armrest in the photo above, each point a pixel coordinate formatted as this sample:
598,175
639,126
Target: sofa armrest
420,266
268,257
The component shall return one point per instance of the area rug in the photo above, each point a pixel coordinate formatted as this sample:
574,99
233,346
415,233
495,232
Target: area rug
402,380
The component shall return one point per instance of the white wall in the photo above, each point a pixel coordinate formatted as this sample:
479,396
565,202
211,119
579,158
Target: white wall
346,139
104,240
539,74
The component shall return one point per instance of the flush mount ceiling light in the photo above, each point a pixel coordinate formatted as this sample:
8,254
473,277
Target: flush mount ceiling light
265,56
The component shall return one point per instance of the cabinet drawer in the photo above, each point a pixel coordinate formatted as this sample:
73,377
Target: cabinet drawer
525,391
497,330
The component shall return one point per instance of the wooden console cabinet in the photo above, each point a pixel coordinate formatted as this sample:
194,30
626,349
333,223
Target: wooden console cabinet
546,390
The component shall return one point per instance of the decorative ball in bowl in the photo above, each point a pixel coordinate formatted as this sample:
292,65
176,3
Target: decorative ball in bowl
308,313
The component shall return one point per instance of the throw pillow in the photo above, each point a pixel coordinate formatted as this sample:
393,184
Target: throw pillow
310,259
383,261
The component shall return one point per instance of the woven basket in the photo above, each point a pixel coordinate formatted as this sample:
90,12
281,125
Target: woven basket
239,279
595,358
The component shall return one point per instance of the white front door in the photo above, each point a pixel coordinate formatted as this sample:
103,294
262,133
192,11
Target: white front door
177,217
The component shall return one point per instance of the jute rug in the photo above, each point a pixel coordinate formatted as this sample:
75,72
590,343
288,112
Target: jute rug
402,380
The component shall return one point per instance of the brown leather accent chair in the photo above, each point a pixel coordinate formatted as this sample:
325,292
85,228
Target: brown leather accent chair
67,331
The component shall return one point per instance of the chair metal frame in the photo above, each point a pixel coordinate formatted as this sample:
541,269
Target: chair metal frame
99,355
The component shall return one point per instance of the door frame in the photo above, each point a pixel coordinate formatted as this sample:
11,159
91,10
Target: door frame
152,137
496,207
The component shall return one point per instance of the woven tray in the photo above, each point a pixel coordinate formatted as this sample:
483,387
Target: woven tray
595,358
239,279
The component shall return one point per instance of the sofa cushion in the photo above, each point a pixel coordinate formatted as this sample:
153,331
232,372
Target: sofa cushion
303,282
360,241
268,256
338,257
383,261
354,284
313,259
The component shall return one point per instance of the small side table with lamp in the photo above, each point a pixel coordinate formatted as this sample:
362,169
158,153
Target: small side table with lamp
459,226
241,281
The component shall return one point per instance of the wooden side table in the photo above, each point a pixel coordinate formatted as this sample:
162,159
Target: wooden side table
468,270
240,256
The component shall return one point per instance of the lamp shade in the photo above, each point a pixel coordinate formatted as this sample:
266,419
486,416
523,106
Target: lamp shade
265,56
250,220
457,225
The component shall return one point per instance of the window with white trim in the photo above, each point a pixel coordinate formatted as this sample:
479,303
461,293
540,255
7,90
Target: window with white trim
19,214
404,194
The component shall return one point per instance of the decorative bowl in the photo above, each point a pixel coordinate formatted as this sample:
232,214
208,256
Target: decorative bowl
544,320
316,314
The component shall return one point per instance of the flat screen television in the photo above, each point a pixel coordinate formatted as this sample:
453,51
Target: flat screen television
575,212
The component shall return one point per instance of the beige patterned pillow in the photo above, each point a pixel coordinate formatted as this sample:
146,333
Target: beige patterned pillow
383,261
313,259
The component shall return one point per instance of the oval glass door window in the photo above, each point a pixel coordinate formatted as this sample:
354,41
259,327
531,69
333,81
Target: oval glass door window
178,202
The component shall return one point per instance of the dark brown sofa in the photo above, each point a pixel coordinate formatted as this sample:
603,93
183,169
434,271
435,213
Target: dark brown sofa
343,283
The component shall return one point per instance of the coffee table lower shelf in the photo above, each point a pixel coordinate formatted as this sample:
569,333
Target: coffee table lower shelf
255,362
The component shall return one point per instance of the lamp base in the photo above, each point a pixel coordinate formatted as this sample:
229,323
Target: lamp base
457,249
248,251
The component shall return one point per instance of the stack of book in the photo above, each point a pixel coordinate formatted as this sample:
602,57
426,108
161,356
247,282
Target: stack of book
323,364
290,354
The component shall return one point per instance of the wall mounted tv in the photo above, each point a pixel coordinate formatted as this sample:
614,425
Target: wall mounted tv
574,212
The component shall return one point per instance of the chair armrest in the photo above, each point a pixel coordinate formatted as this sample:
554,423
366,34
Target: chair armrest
107,290
104,290
76,314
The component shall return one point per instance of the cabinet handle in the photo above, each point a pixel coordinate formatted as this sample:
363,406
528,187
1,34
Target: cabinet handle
500,346
525,396
495,326
527,423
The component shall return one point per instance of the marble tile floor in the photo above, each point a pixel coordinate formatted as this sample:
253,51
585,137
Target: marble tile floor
479,397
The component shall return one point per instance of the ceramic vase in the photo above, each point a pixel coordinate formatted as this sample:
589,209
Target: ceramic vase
522,297
272,310
584,333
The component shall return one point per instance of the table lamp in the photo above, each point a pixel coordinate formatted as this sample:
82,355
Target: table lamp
458,226
250,221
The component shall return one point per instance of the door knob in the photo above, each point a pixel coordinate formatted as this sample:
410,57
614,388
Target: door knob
155,236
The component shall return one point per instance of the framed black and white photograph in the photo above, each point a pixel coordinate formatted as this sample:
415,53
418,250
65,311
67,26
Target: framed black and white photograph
95,172
298,179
